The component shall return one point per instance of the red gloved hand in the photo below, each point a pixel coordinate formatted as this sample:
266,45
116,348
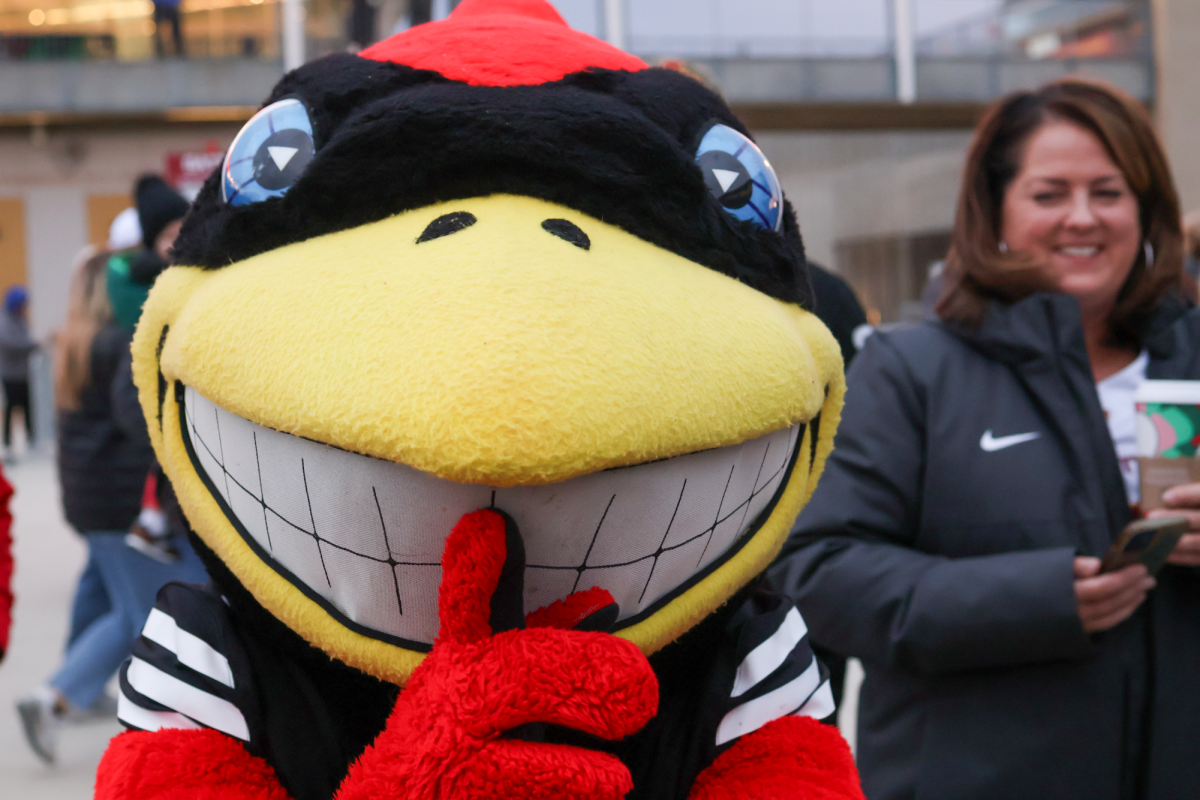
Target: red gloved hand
453,733
183,765
792,758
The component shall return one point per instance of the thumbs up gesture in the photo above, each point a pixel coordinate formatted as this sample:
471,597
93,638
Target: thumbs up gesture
469,722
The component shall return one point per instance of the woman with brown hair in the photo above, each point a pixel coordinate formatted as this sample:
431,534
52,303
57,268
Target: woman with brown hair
104,455
985,462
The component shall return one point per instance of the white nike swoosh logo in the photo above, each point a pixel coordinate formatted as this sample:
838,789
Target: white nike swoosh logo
990,445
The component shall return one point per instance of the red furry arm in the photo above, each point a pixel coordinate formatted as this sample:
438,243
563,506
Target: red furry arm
793,758
6,564
183,765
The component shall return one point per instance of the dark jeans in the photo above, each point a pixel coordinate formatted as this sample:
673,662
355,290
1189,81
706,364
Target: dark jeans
16,395
167,14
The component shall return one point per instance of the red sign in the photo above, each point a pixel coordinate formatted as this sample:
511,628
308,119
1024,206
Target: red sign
188,170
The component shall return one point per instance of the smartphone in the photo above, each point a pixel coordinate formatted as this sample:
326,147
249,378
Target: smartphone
1147,542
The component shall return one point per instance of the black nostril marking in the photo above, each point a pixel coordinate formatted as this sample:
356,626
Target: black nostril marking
568,231
447,224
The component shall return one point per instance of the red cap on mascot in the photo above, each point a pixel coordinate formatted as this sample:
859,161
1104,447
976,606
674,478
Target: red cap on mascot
501,43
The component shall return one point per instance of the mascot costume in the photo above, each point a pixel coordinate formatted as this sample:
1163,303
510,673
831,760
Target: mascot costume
486,384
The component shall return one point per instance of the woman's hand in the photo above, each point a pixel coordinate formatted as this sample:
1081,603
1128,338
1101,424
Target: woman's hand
1183,501
1108,599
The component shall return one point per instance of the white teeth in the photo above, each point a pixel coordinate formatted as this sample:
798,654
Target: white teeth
1080,251
364,536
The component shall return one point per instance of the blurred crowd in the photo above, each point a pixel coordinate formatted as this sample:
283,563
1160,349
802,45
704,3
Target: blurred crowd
985,463
114,494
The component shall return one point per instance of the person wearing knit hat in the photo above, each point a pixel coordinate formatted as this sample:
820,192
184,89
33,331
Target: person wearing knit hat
160,211
133,269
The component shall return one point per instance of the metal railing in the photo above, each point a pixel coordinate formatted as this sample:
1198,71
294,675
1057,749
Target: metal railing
126,30
1095,28
808,49
60,47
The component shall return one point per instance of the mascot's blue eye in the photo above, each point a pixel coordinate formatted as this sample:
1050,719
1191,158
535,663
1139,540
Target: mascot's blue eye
739,176
268,154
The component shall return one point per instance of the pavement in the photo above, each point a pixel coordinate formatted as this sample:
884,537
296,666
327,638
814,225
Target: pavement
49,557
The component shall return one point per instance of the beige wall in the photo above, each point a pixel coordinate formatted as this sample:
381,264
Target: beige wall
58,177
851,185
55,232
1177,34
12,242
102,209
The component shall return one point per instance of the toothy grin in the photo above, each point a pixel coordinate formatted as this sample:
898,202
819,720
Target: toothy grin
363,537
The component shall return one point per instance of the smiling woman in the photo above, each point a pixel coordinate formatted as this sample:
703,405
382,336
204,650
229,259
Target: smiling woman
1072,213
983,464
1076,165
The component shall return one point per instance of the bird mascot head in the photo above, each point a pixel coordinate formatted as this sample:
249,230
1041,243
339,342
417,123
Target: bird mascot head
485,371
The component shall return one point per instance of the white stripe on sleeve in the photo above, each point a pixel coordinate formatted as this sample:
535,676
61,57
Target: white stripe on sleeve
205,708
753,714
820,705
131,713
191,650
768,656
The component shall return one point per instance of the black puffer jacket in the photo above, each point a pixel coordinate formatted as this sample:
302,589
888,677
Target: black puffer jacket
104,453
947,568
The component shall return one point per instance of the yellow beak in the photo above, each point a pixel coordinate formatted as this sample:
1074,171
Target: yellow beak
500,354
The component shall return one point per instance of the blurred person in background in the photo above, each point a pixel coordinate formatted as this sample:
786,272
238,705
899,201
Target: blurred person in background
91,600
125,246
952,544
145,235
160,212
168,11
159,531
104,458
134,261
16,346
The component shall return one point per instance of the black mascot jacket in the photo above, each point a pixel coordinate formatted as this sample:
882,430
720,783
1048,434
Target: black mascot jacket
948,570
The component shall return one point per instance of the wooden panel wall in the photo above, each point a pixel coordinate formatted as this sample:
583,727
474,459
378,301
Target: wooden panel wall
13,268
101,210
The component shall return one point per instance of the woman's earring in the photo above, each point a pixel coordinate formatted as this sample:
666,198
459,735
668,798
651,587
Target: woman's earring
1003,246
1148,250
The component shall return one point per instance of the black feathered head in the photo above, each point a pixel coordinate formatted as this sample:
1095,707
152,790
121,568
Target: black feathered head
490,262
